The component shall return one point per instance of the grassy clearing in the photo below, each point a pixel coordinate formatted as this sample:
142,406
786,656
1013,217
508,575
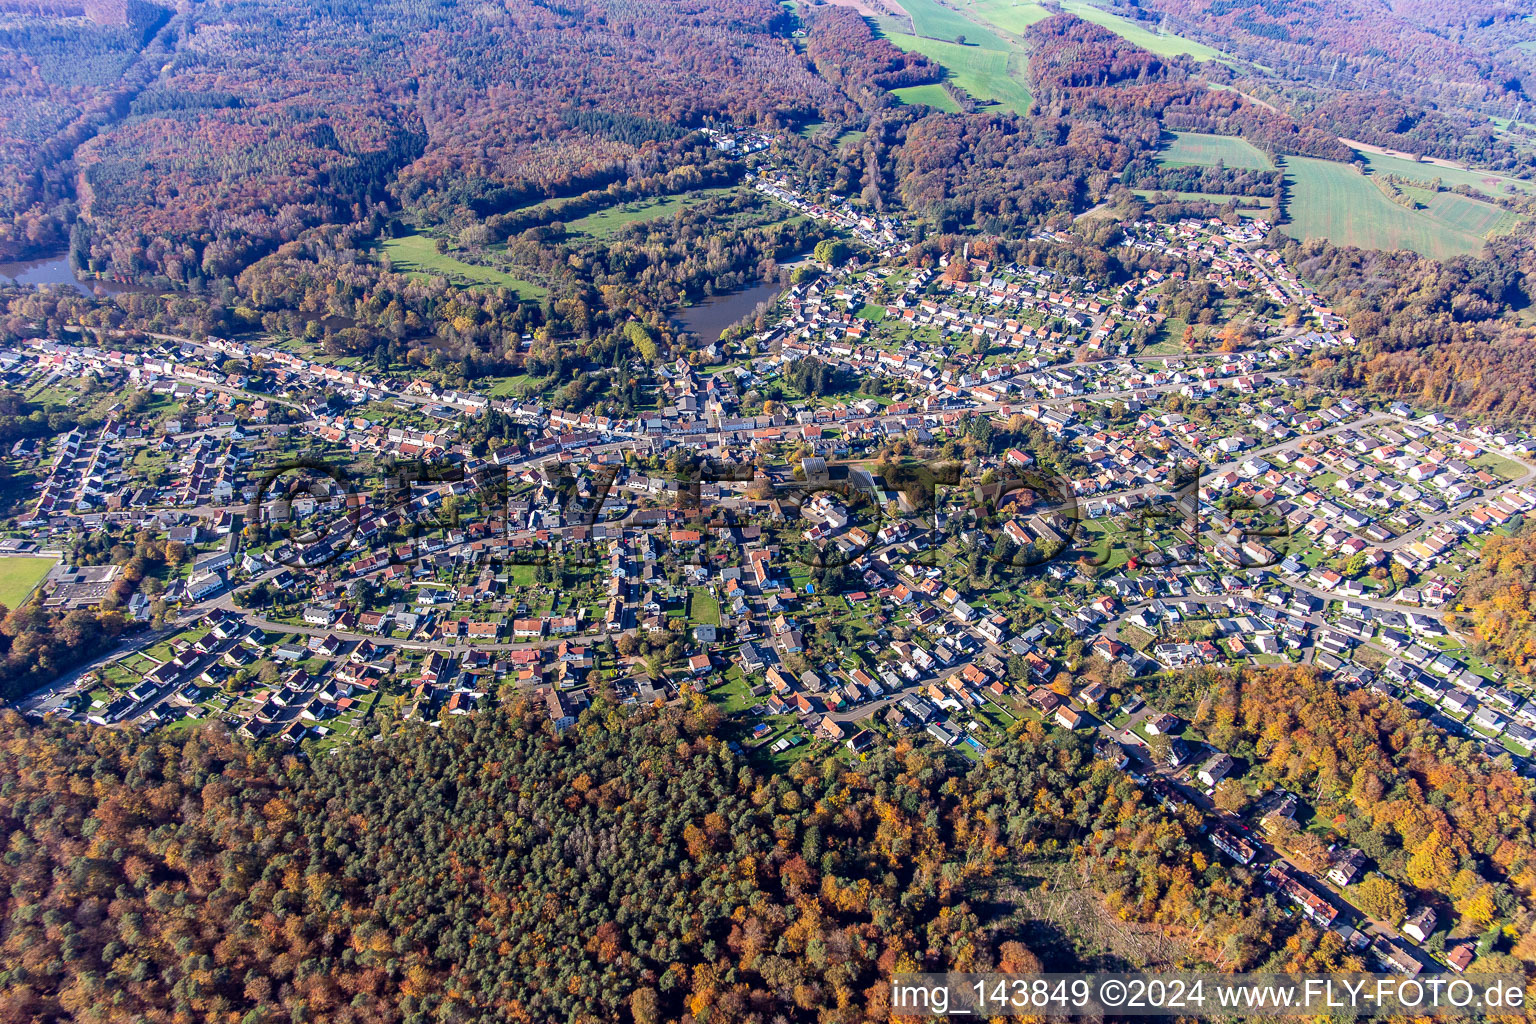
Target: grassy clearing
1013,16
1334,201
927,95
935,21
606,223
734,692
19,576
417,254
1145,36
829,132
1105,541
1465,213
516,385
999,75
1483,181
1205,150
1166,346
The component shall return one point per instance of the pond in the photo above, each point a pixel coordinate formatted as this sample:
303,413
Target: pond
55,271
710,317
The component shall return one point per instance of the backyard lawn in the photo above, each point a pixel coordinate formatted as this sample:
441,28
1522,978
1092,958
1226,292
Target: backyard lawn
703,608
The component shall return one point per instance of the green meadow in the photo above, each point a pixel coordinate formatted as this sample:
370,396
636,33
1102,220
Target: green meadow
417,254
1335,201
993,63
1013,16
1483,181
1205,150
1144,36
929,95
1465,213
606,223
997,75
935,21
988,66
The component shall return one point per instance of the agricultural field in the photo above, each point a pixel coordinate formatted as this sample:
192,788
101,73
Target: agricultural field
1145,36
1013,16
1334,201
999,75
927,95
987,66
1465,213
19,576
933,20
417,254
1205,150
1483,181
606,223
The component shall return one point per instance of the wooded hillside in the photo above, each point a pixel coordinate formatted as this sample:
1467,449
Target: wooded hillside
626,870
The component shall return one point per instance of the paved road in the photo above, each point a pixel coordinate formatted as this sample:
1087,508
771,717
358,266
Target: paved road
65,685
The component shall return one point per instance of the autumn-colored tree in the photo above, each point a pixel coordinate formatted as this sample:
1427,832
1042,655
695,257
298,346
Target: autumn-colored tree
1381,898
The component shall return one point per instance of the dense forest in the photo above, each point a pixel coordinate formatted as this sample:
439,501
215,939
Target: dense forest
1082,68
1439,334
847,53
1360,44
267,119
1392,122
62,78
1146,172
630,869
